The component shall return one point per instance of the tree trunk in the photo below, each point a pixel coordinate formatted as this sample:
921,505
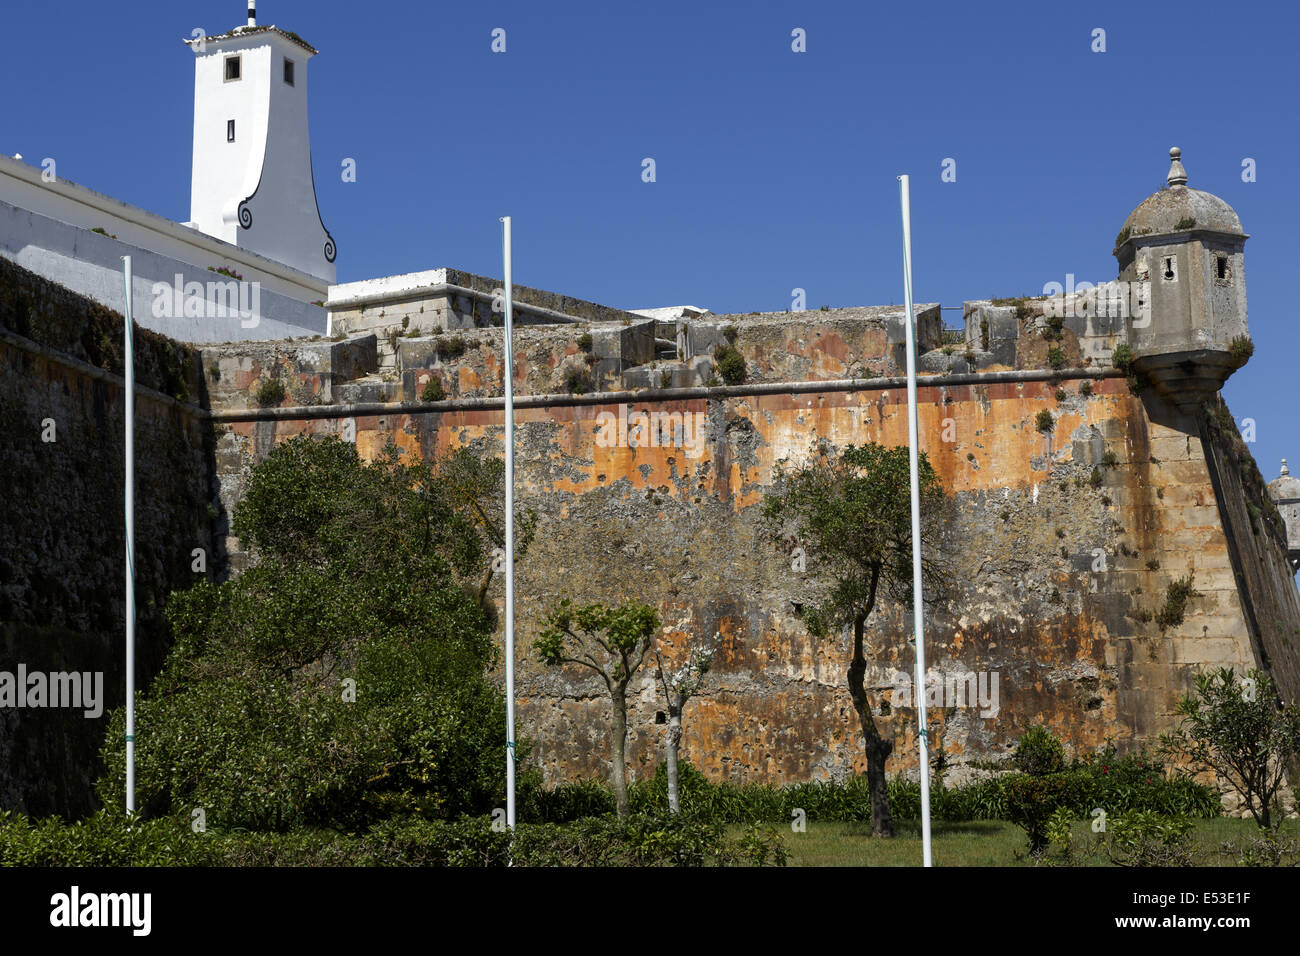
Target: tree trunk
877,748
619,697
671,744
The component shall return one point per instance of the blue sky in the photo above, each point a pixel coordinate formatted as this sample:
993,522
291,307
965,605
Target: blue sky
775,170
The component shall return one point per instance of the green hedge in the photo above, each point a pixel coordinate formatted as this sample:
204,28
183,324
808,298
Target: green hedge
1117,785
640,840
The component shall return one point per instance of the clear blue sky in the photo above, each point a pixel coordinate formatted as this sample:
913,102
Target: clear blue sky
775,170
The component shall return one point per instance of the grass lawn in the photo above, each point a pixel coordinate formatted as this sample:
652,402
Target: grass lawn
975,843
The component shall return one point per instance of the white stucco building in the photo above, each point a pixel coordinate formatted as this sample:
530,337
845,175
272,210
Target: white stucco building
252,182
255,236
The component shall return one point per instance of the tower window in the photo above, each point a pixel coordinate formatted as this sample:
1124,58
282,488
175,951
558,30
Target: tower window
1222,272
288,71
230,131
232,68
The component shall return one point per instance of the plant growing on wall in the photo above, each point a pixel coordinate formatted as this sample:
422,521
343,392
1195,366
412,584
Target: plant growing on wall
679,685
433,391
730,364
1122,358
854,511
613,642
577,380
269,392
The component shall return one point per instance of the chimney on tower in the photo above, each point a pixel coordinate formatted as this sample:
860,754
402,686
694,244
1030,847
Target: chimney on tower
252,13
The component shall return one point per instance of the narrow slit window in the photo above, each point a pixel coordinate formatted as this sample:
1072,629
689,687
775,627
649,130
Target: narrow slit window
1221,268
1168,270
288,71
230,131
232,68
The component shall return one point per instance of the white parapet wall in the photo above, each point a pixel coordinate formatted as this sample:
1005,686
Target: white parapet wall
48,225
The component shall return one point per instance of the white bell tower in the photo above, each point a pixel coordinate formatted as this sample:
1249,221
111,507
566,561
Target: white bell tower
252,180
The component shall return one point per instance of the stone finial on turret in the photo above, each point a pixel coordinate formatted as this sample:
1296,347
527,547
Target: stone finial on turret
1285,470
1177,175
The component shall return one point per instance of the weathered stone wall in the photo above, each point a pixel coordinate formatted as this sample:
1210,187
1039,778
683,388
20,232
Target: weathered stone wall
1061,546
62,528
1057,576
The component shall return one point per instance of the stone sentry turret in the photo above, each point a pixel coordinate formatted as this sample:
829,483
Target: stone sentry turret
1285,492
1183,248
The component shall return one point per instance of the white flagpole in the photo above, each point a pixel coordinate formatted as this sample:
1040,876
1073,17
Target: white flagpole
508,349
918,616
128,398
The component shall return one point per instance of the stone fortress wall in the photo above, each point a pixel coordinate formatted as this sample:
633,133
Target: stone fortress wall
1064,536
1158,491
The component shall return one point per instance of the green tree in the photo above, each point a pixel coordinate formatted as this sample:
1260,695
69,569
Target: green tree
1239,728
853,513
341,680
613,642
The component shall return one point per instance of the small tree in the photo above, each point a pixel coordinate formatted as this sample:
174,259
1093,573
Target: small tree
855,513
679,686
1239,729
612,641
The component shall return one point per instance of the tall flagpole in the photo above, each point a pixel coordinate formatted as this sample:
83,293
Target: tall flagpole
508,349
918,616
128,399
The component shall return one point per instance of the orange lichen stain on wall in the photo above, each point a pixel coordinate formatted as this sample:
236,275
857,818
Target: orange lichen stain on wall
829,353
996,424
467,379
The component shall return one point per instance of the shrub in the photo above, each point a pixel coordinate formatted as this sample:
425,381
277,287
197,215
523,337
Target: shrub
1239,728
1046,423
1085,388
1038,753
730,364
1110,459
1055,357
1147,838
100,840
1061,395
585,342
1031,802
433,391
269,392
249,716
731,333
1187,222
567,801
